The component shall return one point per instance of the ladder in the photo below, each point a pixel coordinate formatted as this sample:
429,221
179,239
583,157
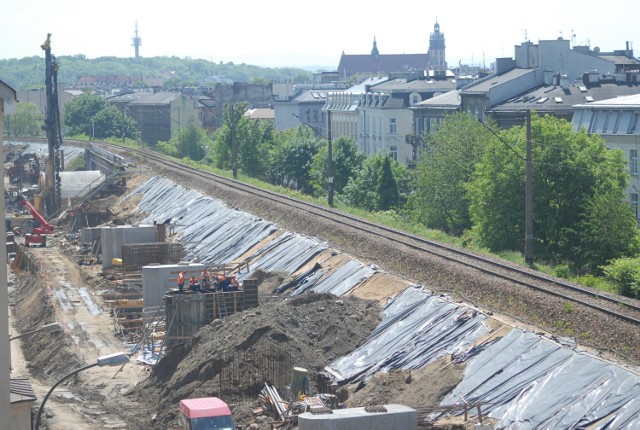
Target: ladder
222,304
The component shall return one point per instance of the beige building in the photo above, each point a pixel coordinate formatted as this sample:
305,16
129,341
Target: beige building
617,120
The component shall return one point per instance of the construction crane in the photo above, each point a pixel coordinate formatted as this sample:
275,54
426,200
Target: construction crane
35,231
53,182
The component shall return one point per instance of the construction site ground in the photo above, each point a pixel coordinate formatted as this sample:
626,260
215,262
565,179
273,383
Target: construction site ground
315,328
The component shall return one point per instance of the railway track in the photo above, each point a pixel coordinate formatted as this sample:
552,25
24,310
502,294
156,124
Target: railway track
619,307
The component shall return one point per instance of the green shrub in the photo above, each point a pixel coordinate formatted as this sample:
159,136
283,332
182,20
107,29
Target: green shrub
563,271
625,274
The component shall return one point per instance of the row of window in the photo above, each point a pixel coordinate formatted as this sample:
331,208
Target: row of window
393,125
607,121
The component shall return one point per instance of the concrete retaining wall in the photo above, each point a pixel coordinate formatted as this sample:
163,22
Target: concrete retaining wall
114,237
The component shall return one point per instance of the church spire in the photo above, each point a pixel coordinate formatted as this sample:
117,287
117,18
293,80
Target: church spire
374,52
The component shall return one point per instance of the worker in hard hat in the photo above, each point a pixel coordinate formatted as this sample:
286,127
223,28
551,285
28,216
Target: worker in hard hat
180,282
235,285
194,285
223,283
205,279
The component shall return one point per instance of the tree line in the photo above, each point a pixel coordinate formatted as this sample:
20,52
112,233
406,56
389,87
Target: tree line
28,72
469,181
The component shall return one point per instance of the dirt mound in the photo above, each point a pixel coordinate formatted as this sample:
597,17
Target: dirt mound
313,328
415,388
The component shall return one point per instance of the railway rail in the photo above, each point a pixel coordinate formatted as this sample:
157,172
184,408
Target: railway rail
618,307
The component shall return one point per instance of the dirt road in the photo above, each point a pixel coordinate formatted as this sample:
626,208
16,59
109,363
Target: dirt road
61,292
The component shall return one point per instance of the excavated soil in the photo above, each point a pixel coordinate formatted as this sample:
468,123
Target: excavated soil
314,328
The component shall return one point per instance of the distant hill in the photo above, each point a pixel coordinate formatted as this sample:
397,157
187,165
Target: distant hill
28,72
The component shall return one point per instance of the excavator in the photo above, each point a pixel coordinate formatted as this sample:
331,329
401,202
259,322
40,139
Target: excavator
35,230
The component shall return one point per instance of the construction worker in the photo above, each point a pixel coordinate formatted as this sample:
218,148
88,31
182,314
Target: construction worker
235,286
206,278
193,284
222,283
180,282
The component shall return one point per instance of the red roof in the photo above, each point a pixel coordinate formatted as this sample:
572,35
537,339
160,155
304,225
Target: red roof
204,407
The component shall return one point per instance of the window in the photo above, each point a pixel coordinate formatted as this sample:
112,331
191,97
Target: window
633,197
394,152
393,127
625,121
633,161
634,123
601,122
612,122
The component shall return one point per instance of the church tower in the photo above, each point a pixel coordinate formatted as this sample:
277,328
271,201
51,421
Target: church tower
437,59
374,52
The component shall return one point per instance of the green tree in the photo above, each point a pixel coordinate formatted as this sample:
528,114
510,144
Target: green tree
607,230
255,138
26,122
190,142
228,139
92,115
346,160
291,158
362,188
445,167
569,170
387,187
81,112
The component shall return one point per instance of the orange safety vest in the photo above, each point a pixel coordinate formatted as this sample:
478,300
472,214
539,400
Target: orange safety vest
180,278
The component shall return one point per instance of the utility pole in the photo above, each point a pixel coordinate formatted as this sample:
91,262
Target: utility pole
329,153
234,143
528,217
329,160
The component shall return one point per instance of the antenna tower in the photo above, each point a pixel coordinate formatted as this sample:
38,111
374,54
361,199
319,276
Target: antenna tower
136,42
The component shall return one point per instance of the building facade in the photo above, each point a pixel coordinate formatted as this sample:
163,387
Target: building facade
161,115
618,122
386,121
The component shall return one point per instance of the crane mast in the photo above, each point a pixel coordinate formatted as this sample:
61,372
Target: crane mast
53,188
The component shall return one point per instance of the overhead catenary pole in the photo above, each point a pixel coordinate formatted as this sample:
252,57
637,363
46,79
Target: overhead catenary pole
329,154
528,218
329,160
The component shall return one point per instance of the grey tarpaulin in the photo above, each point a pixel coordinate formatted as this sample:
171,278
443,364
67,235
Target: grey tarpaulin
341,280
286,253
416,329
528,382
211,231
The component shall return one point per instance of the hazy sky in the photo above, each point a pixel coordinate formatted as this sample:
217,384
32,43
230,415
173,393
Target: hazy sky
292,33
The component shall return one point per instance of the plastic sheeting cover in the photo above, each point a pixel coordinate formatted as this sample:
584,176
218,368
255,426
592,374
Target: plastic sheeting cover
416,329
287,253
528,382
211,231
339,281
